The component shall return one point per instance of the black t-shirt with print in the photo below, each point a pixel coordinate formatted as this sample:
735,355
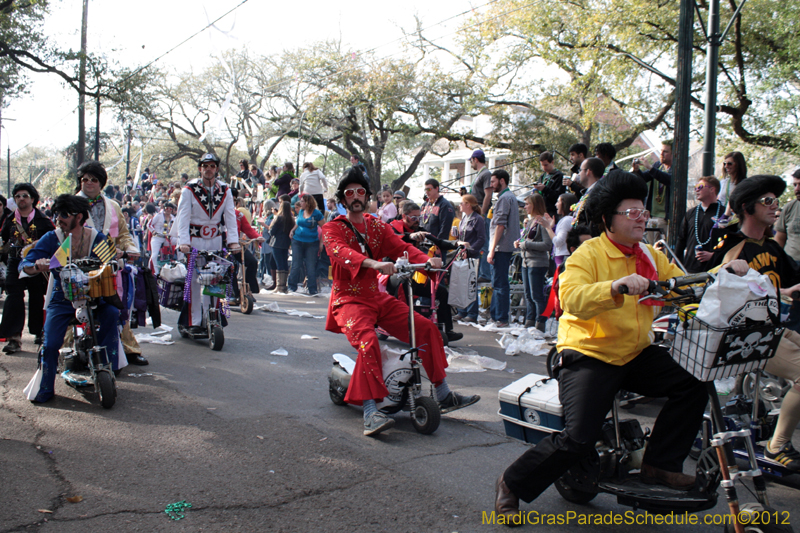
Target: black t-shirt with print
765,256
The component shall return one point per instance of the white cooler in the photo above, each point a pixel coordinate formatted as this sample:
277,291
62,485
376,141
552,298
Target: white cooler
530,408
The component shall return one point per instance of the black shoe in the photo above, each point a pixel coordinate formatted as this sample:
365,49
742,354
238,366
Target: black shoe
787,456
39,339
12,347
455,401
196,330
137,359
454,336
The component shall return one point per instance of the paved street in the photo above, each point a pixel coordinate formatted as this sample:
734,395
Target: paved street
254,443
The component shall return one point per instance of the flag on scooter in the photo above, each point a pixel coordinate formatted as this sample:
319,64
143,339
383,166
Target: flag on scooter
61,256
105,250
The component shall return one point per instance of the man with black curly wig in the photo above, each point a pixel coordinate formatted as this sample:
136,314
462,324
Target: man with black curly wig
604,345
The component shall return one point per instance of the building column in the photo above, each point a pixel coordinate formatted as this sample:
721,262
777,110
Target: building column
426,172
446,172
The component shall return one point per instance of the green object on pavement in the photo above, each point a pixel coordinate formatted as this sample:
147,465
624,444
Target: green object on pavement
175,510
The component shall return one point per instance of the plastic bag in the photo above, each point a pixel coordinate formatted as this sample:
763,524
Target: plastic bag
463,283
732,299
173,272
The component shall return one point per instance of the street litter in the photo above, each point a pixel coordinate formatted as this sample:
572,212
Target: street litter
139,375
146,337
528,342
725,386
279,351
460,360
308,337
175,510
273,307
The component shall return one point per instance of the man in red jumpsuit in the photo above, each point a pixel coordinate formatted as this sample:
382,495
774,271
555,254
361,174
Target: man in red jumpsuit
356,305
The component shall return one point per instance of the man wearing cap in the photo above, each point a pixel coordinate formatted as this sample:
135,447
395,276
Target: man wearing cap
19,233
160,226
755,202
105,215
357,244
206,220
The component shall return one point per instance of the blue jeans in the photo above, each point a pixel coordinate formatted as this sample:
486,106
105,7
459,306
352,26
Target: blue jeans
533,285
501,297
484,268
304,254
59,315
281,257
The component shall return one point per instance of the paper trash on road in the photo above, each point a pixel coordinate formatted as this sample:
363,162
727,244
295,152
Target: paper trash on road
279,351
308,337
461,360
152,339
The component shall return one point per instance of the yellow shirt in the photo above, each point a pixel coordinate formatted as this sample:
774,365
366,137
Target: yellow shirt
614,330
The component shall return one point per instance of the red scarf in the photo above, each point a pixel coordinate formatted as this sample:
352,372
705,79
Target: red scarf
644,267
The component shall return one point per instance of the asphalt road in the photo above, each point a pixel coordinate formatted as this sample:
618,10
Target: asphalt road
254,443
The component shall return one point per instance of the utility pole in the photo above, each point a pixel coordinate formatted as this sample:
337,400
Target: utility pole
683,89
81,151
712,54
128,161
715,40
97,128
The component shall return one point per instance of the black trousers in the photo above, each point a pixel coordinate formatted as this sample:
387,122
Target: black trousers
444,313
251,276
587,389
14,306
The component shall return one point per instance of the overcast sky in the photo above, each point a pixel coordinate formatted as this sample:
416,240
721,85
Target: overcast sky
136,33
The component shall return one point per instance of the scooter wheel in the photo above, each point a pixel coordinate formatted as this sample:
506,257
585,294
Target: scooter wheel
216,339
184,333
336,397
754,511
426,415
552,357
247,304
108,393
573,495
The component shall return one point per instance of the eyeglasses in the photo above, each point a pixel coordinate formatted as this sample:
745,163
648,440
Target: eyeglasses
208,165
22,196
398,197
88,179
64,214
768,201
349,193
700,187
428,189
728,164
634,214
413,218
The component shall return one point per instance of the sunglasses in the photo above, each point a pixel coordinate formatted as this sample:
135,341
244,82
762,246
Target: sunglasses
88,179
398,197
21,196
700,187
349,193
413,218
208,165
768,201
634,214
728,164
64,214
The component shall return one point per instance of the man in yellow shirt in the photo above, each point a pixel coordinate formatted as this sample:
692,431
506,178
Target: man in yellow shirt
604,342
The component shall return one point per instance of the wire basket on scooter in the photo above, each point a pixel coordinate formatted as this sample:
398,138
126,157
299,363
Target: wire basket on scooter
710,353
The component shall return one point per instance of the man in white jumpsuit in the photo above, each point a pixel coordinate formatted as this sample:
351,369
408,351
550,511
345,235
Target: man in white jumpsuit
205,216
160,227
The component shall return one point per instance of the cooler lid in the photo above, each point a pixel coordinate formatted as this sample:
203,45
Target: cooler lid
542,396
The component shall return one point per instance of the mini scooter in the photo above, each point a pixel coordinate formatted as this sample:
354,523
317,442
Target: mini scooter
86,364
246,299
213,273
404,384
620,450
